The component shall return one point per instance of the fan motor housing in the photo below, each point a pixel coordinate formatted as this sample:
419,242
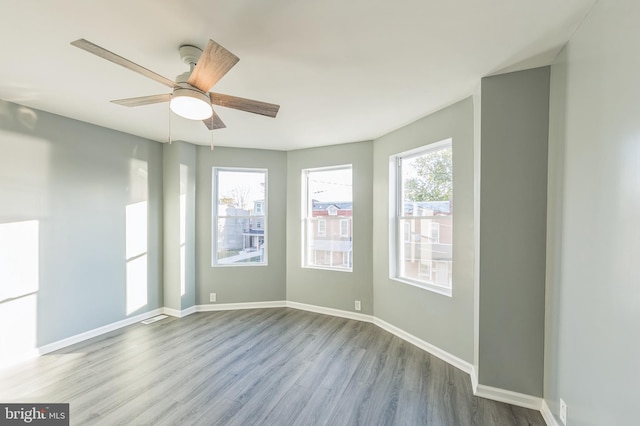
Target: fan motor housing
190,54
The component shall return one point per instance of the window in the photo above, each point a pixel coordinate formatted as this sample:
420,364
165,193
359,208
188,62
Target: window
434,232
423,233
322,228
239,217
344,227
327,215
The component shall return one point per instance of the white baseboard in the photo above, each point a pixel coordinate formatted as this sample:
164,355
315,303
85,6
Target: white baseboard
329,311
179,314
426,346
236,306
510,397
42,350
474,379
547,415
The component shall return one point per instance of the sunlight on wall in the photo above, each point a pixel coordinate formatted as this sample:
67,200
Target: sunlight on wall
183,254
136,237
24,198
19,283
183,228
136,252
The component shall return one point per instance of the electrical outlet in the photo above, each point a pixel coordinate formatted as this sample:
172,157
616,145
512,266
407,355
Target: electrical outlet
357,305
563,412
212,297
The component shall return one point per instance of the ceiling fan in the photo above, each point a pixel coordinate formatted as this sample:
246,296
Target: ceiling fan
190,97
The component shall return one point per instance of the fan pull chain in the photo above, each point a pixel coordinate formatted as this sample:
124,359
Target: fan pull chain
211,131
170,126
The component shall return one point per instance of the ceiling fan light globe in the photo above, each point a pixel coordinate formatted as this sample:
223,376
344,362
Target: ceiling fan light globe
190,104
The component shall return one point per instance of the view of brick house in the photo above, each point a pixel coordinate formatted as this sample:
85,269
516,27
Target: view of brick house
241,234
331,235
427,239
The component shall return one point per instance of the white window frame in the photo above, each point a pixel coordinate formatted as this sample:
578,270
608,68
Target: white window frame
344,231
434,232
396,212
322,230
307,221
215,216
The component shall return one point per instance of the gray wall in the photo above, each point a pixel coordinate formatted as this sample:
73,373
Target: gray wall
75,180
179,172
446,322
241,284
513,191
594,296
333,289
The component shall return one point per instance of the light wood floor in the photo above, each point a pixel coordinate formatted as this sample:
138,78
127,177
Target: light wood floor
255,367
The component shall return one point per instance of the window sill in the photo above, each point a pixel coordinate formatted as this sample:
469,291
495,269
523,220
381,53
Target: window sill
237,265
445,291
336,269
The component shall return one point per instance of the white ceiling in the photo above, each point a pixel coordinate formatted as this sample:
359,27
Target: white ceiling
342,71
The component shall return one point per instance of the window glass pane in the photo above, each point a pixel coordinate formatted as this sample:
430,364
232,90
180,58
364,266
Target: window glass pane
240,223
425,217
328,213
419,250
428,177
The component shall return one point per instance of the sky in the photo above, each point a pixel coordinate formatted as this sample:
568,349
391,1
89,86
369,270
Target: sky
231,180
324,185
331,185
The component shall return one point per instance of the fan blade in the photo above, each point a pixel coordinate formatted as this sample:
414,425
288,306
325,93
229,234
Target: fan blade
213,64
143,100
214,122
248,105
117,59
